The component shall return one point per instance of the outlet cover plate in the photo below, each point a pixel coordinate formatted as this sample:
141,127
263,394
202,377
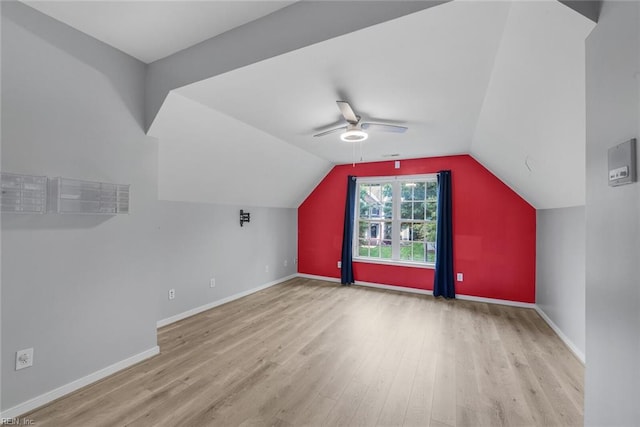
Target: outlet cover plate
24,358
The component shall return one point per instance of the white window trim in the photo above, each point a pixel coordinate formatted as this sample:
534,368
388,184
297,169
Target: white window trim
395,180
385,261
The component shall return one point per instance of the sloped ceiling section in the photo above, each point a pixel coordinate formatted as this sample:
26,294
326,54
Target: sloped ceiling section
531,129
151,30
500,80
428,71
254,126
206,156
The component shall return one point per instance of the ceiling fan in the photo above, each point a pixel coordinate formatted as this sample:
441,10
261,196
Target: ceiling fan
355,130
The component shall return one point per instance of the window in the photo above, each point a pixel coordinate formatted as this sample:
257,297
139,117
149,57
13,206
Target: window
396,219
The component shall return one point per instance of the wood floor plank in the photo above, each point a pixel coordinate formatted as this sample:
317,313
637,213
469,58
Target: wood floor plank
312,353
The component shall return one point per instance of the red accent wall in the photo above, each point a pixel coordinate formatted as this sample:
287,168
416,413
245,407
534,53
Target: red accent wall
494,231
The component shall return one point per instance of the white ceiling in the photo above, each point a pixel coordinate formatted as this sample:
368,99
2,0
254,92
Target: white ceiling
204,155
150,29
503,81
428,71
531,131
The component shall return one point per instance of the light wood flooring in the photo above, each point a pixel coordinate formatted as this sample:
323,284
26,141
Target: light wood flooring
308,352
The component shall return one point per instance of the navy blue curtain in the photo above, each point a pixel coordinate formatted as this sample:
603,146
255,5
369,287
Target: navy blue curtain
443,284
347,235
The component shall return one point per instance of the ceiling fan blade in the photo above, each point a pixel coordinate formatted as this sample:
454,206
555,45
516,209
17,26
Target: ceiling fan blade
384,127
327,132
347,112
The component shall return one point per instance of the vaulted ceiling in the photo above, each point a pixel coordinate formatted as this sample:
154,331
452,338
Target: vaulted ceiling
502,81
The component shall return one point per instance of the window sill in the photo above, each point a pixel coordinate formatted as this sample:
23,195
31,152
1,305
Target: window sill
392,262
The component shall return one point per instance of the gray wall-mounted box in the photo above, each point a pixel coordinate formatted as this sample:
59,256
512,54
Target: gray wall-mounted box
23,193
73,196
622,163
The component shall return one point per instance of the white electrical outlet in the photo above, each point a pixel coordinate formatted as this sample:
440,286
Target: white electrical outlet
286,262
339,264
24,358
212,283
172,293
295,260
460,277
266,268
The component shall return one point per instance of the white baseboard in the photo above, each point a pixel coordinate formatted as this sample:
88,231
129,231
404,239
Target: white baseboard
194,311
57,393
575,350
315,277
394,288
496,301
422,291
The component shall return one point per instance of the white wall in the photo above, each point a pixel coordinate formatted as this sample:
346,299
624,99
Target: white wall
560,271
86,291
612,221
201,242
75,288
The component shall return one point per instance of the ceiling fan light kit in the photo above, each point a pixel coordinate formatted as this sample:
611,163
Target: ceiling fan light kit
353,135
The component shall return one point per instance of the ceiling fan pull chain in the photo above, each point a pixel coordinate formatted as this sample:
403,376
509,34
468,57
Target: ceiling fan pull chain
353,155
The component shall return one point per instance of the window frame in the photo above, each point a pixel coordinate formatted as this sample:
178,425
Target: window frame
395,220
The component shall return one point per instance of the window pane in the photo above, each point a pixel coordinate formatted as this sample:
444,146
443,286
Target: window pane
405,231
429,229
369,201
363,249
418,210
364,209
431,252
431,212
374,192
405,250
406,191
385,250
363,230
375,211
386,233
420,190
364,201
373,231
406,209
387,193
432,190
388,210
418,251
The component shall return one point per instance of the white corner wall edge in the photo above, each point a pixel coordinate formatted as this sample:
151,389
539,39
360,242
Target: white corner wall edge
57,393
579,354
575,350
194,311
